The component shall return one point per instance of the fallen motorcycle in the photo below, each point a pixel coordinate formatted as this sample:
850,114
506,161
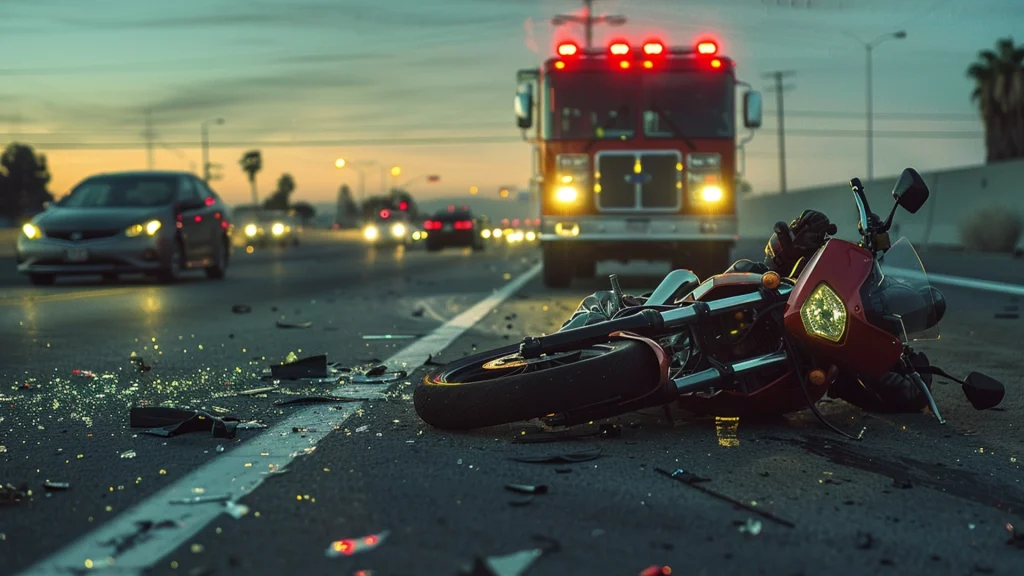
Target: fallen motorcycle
736,344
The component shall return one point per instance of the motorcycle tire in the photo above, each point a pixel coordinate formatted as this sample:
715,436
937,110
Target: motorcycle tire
499,387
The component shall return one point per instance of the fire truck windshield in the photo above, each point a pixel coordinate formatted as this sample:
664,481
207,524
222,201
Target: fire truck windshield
586,105
698,104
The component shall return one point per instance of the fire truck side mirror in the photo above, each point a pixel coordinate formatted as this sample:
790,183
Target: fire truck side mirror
524,106
752,109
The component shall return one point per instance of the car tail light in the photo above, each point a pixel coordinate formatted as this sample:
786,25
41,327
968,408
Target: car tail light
464,225
432,225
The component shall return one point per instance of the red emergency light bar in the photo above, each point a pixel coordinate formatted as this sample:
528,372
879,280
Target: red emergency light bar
654,48
568,49
707,48
619,49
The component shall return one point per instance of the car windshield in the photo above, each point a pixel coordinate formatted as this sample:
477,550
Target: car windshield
129,191
697,104
897,296
589,105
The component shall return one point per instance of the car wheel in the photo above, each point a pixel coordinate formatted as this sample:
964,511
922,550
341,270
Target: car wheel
42,279
220,262
172,271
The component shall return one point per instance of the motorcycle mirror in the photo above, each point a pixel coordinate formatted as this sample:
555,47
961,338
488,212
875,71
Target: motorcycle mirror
982,391
910,191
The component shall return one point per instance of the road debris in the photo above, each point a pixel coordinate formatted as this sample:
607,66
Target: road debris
283,324
294,369
392,336
751,526
571,458
864,540
514,564
128,454
656,570
350,546
241,308
169,422
527,489
56,486
10,494
301,400
140,364
253,391
693,480
235,510
202,499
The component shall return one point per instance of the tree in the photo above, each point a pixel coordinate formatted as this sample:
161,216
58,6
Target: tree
252,163
280,199
999,92
24,178
305,210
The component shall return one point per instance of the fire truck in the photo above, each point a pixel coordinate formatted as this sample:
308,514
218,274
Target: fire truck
634,155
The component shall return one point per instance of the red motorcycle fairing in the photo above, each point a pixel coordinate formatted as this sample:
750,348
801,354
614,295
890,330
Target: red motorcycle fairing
862,348
664,362
782,395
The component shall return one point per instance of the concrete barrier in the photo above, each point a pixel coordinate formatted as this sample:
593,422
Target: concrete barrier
956,195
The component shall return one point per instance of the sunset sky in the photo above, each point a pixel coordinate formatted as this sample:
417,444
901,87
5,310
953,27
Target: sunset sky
308,81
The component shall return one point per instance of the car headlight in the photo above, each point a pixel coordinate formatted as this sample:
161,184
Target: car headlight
824,314
149,228
496,233
485,234
277,229
251,230
370,232
566,194
531,236
31,231
398,230
711,194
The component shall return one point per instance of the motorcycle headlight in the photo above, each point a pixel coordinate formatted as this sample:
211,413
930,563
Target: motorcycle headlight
251,230
149,228
31,231
398,230
370,232
824,314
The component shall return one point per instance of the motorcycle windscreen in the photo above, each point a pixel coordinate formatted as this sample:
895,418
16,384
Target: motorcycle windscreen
898,298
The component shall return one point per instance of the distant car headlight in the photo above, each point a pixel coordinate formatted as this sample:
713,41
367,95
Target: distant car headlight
251,230
398,230
531,236
496,233
416,235
277,229
31,231
824,314
149,228
485,234
566,194
370,232
711,194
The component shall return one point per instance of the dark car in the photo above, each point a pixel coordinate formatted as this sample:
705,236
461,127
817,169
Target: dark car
453,228
158,223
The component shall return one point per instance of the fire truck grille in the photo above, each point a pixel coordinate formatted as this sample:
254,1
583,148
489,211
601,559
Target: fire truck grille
617,189
654,187
661,176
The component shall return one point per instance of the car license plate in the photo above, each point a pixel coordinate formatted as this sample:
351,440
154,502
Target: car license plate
637,226
77,254
447,227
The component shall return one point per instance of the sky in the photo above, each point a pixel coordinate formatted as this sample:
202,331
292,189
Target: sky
428,85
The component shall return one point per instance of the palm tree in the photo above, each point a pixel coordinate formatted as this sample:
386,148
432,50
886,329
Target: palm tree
999,91
252,162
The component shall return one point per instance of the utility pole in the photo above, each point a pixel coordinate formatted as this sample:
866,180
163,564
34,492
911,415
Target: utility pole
588,20
778,88
205,143
150,137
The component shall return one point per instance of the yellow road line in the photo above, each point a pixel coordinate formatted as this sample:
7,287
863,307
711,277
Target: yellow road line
43,298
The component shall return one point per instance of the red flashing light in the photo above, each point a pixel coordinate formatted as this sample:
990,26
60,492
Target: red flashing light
515,223
559,64
619,49
403,205
385,213
624,64
716,63
568,49
654,48
707,48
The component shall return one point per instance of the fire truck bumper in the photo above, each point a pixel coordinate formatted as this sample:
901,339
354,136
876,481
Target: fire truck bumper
661,229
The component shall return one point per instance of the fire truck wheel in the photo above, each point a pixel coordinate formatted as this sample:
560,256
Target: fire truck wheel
587,269
559,267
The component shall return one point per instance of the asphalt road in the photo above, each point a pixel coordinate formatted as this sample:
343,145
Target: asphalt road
912,497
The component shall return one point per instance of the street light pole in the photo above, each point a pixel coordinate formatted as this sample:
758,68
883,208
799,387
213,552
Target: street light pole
204,131
588,20
869,48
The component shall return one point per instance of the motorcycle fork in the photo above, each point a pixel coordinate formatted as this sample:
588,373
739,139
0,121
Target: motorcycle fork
915,376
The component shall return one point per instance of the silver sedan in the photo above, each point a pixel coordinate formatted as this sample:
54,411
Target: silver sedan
158,223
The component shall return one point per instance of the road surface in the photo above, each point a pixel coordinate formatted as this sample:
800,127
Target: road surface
913,497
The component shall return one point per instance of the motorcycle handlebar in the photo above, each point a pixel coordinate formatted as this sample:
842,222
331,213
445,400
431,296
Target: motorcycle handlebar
863,209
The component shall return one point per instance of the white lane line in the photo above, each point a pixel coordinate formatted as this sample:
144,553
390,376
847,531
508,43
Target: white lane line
240,471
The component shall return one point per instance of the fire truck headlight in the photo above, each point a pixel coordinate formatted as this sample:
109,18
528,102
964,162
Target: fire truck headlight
711,194
566,194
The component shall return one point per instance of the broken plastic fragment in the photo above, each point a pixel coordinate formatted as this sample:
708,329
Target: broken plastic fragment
128,454
241,309
572,458
527,489
378,378
751,526
350,546
315,400
235,510
262,390
51,485
513,564
283,324
295,368
168,422
202,499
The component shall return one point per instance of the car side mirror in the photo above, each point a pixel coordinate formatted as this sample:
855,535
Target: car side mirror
910,191
524,106
752,109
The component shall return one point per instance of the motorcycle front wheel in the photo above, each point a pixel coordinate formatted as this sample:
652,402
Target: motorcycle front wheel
499,386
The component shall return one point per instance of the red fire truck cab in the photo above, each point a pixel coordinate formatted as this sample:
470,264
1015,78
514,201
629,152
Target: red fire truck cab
635,155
